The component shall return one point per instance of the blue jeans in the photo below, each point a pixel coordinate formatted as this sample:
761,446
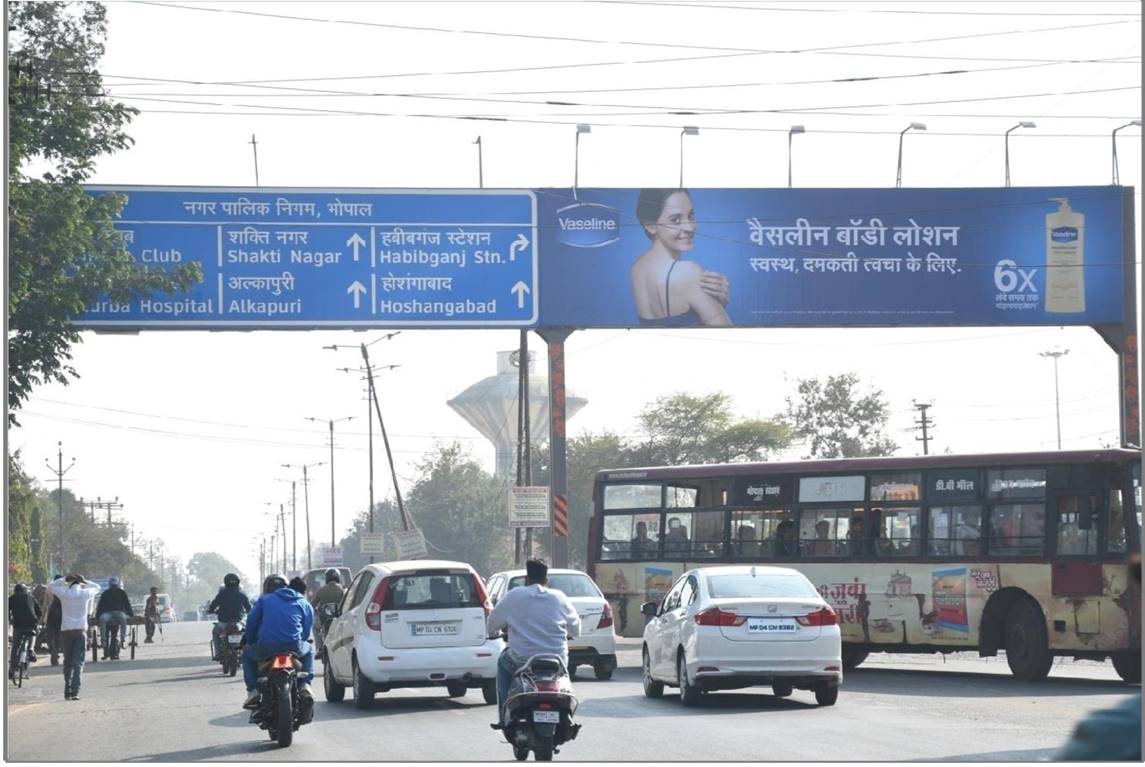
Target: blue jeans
259,652
74,647
118,616
505,668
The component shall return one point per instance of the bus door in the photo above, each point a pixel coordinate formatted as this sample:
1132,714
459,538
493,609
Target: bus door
1076,569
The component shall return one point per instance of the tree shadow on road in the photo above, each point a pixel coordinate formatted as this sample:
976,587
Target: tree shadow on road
711,704
394,706
222,751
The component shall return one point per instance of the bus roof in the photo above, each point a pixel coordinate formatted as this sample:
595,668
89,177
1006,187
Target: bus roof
1115,455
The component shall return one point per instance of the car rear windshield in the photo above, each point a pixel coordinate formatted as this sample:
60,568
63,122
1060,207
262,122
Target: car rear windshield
430,590
571,584
747,586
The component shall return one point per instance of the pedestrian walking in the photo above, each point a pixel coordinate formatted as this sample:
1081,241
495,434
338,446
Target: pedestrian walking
151,614
75,595
50,607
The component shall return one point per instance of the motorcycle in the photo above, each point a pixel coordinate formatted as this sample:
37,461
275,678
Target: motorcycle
230,647
280,710
326,615
539,709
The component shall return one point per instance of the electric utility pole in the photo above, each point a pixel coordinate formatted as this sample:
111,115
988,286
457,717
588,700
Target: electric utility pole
924,423
60,471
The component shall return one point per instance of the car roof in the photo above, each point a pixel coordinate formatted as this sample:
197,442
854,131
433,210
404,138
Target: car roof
746,570
410,565
552,571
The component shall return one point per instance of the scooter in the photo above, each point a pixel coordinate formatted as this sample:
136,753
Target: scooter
326,615
280,709
539,709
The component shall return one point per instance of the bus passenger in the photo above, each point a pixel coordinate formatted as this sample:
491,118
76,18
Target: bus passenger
747,544
967,535
822,545
641,546
855,536
676,539
786,544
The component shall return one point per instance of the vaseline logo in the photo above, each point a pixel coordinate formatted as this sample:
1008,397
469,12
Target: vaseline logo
587,225
1064,234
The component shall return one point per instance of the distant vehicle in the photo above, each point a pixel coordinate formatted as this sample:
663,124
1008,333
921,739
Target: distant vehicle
191,615
166,609
137,608
735,626
316,579
418,623
596,645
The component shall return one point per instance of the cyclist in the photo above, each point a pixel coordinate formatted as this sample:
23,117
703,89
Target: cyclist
23,616
113,605
230,605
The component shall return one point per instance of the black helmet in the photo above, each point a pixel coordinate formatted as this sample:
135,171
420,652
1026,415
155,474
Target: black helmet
298,585
231,580
332,576
273,583
20,588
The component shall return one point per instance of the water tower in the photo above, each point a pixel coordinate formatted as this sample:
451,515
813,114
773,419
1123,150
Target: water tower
490,406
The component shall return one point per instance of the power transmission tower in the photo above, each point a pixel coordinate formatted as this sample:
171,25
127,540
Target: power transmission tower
924,423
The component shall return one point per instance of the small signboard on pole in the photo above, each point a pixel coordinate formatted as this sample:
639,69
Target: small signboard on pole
411,544
529,507
372,543
331,555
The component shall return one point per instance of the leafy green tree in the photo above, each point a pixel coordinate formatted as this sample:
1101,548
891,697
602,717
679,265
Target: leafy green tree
838,419
205,571
24,536
64,252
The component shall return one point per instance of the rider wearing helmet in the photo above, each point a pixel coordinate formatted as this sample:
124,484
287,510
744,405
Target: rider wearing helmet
331,593
230,605
280,622
113,605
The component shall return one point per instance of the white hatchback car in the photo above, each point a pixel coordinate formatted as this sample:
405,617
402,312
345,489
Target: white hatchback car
596,645
419,623
724,628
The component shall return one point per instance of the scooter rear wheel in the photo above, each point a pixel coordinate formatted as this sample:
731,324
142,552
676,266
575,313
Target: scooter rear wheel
520,753
543,750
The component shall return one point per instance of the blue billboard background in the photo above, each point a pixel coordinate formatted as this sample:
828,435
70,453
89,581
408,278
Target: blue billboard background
555,258
836,257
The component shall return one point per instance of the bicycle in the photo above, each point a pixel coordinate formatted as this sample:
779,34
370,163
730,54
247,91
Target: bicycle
19,672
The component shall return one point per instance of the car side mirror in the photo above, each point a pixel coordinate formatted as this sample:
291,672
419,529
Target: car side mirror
649,609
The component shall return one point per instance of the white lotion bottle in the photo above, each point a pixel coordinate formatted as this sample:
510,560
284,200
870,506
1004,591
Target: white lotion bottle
1065,259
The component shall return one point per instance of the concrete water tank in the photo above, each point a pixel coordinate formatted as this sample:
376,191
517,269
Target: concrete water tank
490,406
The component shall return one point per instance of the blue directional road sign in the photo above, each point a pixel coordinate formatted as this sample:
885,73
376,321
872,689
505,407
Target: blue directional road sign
331,258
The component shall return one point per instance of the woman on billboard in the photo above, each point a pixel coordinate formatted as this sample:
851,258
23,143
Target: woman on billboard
669,290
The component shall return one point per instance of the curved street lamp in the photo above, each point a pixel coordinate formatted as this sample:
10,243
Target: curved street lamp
1022,124
898,174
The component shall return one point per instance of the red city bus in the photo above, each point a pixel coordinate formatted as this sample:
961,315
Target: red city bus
1022,552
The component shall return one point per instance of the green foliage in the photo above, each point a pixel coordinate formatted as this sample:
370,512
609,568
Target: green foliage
64,252
24,546
838,420
205,571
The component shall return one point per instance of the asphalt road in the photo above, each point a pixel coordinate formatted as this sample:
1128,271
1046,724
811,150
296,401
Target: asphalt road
172,703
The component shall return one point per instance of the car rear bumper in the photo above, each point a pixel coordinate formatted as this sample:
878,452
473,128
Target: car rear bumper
426,667
716,658
588,656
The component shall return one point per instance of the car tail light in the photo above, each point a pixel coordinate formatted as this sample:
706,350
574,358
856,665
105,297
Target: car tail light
824,617
481,594
282,661
605,617
374,608
714,616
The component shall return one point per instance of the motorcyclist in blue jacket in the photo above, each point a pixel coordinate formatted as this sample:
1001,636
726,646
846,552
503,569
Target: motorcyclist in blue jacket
230,605
280,622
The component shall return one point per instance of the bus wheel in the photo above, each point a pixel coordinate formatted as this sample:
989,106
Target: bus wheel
853,656
1027,644
1128,665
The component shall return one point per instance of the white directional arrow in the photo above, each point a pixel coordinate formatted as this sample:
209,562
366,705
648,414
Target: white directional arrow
520,289
355,242
357,289
519,244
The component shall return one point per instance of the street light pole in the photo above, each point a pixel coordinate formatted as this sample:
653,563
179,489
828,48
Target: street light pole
480,168
898,174
580,128
305,501
689,130
794,129
331,422
1022,124
1057,354
60,471
1116,178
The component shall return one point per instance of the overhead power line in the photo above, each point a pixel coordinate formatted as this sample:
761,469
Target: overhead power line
593,41
858,10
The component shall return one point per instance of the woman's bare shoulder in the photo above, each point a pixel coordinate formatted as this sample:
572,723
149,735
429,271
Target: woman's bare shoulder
687,270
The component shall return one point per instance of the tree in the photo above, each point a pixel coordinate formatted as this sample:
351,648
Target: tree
24,536
206,570
839,420
64,252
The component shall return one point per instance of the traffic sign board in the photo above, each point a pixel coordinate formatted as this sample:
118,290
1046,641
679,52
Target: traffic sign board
372,543
411,544
331,555
529,507
331,258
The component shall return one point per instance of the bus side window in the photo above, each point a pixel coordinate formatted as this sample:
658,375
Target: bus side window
1115,529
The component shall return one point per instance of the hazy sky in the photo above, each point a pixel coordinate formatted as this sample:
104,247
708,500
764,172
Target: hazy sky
189,429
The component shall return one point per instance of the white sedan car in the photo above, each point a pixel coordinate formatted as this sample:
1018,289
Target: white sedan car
596,645
418,623
724,628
